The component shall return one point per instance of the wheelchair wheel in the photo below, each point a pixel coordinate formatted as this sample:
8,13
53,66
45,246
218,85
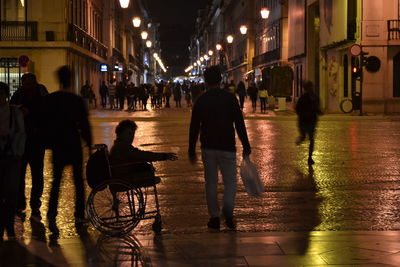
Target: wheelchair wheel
114,207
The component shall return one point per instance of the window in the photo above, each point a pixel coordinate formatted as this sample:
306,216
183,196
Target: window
12,10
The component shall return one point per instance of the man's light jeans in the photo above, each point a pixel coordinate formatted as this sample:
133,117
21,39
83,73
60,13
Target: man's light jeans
214,160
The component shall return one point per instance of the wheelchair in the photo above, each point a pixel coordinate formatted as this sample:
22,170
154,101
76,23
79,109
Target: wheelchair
115,207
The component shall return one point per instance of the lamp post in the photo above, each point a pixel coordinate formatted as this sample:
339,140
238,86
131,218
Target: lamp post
144,35
229,39
264,13
136,21
124,3
243,29
148,43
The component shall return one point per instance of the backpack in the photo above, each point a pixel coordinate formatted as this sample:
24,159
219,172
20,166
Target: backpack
98,168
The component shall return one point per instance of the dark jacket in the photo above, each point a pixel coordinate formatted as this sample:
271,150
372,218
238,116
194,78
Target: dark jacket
307,108
215,115
66,121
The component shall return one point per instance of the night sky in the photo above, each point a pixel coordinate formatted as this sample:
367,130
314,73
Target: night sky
177,23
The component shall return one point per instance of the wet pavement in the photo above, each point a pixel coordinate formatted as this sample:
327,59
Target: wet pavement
343,211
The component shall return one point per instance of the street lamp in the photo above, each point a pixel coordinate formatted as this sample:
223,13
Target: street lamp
201,59
243,29
124,3
136,22
148,43
264,12
218,47
210,52
155,55
144,35
229,39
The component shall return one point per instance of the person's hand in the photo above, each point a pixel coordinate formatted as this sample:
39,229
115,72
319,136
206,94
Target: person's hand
192,157
171,156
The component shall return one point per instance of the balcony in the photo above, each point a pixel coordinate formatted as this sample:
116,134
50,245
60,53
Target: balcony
79,37
266,57
393,29
18,31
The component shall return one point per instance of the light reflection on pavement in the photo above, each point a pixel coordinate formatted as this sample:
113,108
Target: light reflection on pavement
354,184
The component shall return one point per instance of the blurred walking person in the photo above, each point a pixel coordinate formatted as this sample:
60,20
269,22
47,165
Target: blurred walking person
167,94
177,95
241,92
86,93
67,122
216,114
308,110
252,91
120,93
112,88
12,147
263,95
104,94
30,99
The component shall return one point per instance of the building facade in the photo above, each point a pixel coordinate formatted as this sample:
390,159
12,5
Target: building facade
95,38
316,40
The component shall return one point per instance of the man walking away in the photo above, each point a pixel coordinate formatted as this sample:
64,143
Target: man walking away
30,98
112,91
216,114
252,91
307,109
104,94
67,123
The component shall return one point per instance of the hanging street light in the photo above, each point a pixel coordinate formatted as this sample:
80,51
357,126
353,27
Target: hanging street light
148,43
124,3
229,39
144,35
136,22
243,29
218,47
264,12
201,59
210,52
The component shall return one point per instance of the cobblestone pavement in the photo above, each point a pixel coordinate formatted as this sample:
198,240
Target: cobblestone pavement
354,185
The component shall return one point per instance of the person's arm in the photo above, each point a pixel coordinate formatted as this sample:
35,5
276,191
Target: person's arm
241,128
194,132
84,124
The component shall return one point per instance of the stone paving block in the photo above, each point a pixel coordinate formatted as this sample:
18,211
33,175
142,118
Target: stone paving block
285,260
354,255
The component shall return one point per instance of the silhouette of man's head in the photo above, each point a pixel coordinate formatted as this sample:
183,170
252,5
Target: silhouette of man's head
212,76
308,86
125,131
28,79
64,76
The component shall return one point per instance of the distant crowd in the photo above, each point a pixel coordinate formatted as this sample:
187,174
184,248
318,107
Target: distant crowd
118,95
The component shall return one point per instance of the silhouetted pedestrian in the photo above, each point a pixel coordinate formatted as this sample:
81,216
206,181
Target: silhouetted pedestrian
241,92
252,91
12,147
120,93
216,114
86,93
104,94
67,123
167,94
263,95
307,109
177,95
30,99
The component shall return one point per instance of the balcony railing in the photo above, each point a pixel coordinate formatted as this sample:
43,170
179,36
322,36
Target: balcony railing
84,40
18,31
393,29
266,57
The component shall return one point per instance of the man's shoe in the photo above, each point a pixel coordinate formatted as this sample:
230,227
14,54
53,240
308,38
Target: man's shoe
230,223
213,223
310,161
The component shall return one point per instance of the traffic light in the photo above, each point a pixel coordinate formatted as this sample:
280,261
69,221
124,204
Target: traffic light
355,69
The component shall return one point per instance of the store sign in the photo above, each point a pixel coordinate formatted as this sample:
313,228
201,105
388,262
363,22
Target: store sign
103,68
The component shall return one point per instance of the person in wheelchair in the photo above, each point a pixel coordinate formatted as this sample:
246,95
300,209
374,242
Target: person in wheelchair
131,164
